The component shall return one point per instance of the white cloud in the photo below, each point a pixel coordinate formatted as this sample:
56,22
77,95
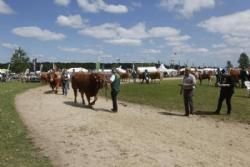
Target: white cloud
235,28
95,6
236,24
151,51
124,41
187,7
136,4
216,46
62,2
4,8
82,51
163,32
116,34
10,45
38,33
185,48
74,21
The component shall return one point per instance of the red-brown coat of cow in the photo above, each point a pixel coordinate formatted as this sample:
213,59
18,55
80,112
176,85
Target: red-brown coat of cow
88,84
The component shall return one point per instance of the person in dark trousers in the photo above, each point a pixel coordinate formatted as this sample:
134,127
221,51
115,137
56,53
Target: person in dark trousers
187,89
226,92
65,82
218,76
134,75
115,88
145,77
243,77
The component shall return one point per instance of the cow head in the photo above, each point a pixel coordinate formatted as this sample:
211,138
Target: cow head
100,80
52,76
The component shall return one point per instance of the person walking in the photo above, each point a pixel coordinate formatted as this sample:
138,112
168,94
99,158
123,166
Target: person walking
187,89
115,88
145,77
65,82
226,92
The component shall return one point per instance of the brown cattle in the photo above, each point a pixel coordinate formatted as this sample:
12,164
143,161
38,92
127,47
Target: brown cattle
125,76
88,84
154,76
235,74
44,77
54,80
205,75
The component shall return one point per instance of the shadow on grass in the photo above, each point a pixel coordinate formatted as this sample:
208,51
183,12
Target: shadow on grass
80,105
205,113
171,114
242,96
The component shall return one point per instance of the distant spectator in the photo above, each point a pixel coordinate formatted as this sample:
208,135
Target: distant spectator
65,82
145,77
134,76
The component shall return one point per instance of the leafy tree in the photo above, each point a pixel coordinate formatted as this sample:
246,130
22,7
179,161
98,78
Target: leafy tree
243,60
229,65
19,61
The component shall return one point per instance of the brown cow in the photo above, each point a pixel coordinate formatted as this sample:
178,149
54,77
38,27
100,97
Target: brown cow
44,77
235,74
154,76
205,75
125,76
88,84
54,80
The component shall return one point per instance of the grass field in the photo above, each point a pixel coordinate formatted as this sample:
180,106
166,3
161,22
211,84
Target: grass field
166,95
16,149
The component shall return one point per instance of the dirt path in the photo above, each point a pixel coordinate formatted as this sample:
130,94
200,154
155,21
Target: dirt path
73,136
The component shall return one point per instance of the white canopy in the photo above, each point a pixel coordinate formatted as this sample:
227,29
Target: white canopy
120,70
4,70
150,69
162,68
77,69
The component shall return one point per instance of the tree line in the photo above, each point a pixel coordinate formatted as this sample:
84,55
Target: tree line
20,61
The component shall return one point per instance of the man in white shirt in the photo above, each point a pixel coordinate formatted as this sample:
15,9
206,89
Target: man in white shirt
188,85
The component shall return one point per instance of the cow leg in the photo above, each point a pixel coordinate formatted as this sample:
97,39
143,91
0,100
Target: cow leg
88,98
93,102
82,95
75,94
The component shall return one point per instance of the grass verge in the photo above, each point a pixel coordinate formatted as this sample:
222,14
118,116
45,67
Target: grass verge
166,95
16,149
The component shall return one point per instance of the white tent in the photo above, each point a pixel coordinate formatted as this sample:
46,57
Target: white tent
120,70
77,69
172,72
4,70
150,69
162,68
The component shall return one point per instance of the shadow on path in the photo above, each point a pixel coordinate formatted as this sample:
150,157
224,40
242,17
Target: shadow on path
80,105
171,113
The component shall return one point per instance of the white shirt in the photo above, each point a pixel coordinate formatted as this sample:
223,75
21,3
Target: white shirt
112,78
189,82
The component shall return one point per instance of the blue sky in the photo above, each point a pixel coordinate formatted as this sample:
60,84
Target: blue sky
196,32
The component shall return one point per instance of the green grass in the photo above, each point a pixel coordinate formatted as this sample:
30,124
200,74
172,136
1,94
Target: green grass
16,148
166,95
